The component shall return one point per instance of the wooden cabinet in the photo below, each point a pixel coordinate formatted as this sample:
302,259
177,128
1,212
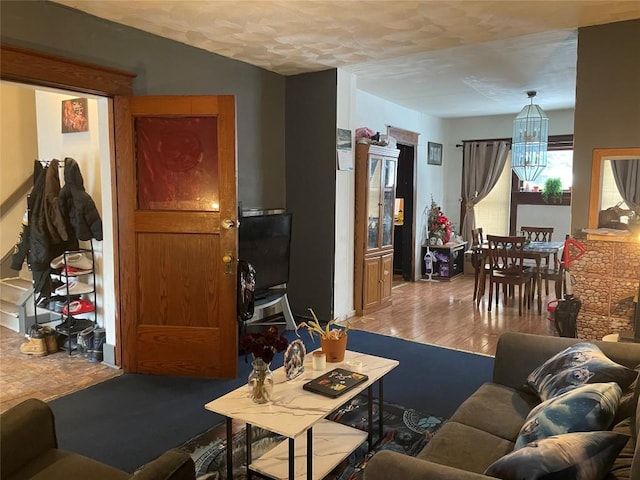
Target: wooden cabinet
375,170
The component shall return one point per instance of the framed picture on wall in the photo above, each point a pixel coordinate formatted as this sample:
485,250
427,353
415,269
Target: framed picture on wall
75,117
434,153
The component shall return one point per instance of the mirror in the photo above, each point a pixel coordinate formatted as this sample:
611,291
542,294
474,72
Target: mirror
615,188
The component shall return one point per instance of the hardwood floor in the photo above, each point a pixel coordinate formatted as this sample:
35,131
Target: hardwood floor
444,314
435,313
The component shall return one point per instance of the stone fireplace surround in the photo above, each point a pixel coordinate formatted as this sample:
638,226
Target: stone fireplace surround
606,280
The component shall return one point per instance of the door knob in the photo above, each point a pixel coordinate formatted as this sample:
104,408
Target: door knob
227,258
228,224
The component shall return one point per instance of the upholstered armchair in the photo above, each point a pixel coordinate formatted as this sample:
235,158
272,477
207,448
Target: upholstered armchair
30,450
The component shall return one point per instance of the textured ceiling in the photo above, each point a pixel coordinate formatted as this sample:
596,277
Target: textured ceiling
444,58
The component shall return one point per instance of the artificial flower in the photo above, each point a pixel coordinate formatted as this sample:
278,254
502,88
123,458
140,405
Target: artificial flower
439,224
264,345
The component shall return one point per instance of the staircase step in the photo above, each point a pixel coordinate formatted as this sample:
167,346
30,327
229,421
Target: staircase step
18,282
8,308
9,319
11,289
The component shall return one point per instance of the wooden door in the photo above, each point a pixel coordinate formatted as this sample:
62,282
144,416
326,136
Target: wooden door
176,197
371,291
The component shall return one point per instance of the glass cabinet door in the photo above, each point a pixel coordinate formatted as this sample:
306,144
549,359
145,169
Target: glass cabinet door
380,202
388,201
373,202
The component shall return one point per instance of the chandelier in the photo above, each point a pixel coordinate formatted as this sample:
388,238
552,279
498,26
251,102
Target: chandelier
529,145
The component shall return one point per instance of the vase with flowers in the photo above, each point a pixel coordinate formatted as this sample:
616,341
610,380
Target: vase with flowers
262,347
333,338
438,224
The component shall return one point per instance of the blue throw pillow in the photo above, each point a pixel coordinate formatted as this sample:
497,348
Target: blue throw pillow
579,364
572,456
583,409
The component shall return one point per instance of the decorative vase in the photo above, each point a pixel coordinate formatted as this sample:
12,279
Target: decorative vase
260,381
334,349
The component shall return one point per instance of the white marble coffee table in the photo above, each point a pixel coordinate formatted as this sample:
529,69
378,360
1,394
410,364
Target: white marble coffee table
315,445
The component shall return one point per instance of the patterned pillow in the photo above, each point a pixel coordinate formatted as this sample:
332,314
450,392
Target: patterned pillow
572,456
583,409
579,364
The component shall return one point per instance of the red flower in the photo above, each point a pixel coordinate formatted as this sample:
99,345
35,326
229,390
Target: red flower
264,345
439,225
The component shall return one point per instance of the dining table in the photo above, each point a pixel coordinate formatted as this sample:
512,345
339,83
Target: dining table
536,251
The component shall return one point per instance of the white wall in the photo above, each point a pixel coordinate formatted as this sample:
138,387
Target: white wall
377,114
345,200
359,109
91,150
558,217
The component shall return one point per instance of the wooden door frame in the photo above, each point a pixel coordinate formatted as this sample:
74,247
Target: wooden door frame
410,139
41,69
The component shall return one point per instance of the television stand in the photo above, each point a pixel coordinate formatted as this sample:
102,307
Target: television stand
270,298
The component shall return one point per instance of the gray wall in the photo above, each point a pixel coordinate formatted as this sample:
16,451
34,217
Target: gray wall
302,179
166,67
311,189
607,113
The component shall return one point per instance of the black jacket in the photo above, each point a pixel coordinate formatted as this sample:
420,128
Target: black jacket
43,235
76,204
35,241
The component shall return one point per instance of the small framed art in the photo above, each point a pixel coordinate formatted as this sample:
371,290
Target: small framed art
434,153
75,117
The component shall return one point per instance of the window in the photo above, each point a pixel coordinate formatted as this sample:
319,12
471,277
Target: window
492,213
610,194
559,165
498,212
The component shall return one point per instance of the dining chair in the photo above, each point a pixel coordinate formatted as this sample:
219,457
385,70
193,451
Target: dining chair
537,234
506,268
477,258
541,234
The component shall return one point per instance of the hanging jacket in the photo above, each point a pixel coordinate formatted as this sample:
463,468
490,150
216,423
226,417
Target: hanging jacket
54,222
40,239
77,205
38,252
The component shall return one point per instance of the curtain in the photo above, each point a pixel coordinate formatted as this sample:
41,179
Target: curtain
627,176
483,163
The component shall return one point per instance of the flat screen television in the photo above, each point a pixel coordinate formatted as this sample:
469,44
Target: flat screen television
265,242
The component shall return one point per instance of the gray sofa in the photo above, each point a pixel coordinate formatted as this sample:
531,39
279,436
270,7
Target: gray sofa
484,428
29,450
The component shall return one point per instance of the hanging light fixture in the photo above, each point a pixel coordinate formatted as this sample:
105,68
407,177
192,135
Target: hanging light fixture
529,145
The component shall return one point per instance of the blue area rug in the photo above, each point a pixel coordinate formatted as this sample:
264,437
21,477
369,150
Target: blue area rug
130,420
405,431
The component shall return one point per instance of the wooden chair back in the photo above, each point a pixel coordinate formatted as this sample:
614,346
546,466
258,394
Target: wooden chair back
477,258
506,254
506,259
537,234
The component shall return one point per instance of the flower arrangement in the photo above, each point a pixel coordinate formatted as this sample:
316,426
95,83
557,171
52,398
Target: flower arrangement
326,333
264,345
439,224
